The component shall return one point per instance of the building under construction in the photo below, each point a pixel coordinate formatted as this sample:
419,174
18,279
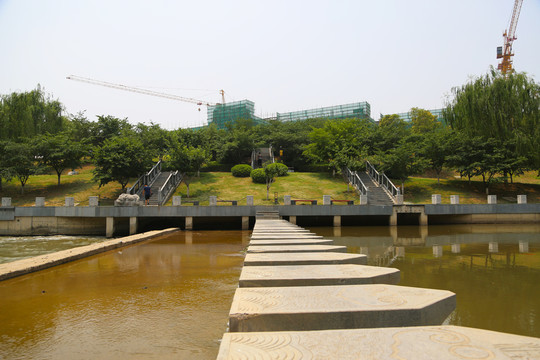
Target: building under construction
223,114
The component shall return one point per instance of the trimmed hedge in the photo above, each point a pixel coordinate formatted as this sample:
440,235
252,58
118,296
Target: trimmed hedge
258,176
241,170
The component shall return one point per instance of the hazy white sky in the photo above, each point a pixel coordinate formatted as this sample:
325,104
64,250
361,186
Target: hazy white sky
282,55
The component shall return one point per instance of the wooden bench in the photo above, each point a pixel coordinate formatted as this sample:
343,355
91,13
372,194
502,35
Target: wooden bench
313,202
349,202
194,202
233,202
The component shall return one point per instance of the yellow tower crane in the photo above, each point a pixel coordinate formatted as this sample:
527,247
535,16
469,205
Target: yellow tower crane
509,36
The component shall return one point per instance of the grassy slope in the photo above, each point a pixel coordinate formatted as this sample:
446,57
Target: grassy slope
79,186
298,185
419,190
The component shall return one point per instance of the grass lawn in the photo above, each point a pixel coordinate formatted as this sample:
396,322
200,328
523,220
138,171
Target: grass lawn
418,190
79,186
298,185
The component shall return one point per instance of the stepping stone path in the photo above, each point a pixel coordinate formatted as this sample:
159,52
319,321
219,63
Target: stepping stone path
301,298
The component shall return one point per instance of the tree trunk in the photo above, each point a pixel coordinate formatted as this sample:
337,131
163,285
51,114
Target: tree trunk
22,189
187,185
59,174
0,183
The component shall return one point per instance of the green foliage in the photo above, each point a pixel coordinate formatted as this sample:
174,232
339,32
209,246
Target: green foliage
282,169
119,159
24,115
423,121
241,170
499,107
258,176
19,161
58,152
108,127
214,166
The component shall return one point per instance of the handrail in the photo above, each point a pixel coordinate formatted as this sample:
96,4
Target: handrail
354,179
145,179
383,180
169,187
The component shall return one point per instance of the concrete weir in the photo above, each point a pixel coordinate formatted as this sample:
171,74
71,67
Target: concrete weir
418,343
25,266
316,275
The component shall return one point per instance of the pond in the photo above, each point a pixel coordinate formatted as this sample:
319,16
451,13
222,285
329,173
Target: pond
169,298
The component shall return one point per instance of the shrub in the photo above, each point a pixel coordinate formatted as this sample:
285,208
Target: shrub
241,170
214,166
258,176
283,170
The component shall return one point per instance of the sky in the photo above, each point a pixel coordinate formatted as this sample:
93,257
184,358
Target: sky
282,55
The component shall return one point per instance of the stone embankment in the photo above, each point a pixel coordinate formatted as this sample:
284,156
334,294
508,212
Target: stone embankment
302,299
25,266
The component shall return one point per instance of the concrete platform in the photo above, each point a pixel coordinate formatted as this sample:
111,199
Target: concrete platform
414,343
295,248
316,275
285,236
271,259
337,307
292,242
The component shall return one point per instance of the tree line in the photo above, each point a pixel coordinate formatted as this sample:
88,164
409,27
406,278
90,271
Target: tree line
490,129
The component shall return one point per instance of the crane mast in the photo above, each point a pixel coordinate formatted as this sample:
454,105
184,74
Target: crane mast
509,36
144,91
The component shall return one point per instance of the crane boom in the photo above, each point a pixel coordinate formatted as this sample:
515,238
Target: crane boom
509,36
142,91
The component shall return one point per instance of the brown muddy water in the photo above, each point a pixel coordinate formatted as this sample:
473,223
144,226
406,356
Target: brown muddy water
169,298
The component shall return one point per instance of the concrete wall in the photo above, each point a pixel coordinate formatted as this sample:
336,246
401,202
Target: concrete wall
81,220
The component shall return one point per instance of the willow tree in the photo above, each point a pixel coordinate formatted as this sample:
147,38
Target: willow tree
503,108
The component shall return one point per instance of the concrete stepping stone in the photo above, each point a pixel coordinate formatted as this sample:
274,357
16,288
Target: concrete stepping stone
285,236
337,307
418,343
292,242
295,248
316,275
321,258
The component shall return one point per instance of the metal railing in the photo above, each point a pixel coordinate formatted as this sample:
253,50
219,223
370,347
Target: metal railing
383,181
147,179
354,179
169,187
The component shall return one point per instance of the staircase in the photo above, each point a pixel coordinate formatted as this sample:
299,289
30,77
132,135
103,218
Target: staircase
376,195
267,214
156,185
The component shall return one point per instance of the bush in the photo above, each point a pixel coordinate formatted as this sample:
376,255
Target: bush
214,166
283,170
258,176
241,170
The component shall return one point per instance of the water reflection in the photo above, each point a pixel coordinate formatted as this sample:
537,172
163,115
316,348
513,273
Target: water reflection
493,269
167,298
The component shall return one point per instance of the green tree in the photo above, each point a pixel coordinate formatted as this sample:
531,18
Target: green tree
500,107
188,160
423,121
24,115
271,171
19,161
58,152
119,159
340,140
108,127
436,147
391,130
